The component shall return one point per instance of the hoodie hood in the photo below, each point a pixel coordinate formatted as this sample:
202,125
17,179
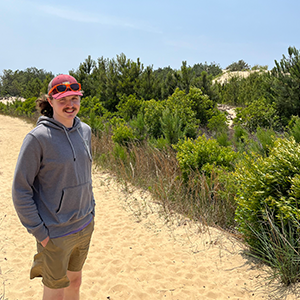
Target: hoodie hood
50,122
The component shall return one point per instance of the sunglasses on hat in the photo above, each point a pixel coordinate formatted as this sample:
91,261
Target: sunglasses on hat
63,87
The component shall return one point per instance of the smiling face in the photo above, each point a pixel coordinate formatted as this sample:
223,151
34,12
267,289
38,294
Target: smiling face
65,109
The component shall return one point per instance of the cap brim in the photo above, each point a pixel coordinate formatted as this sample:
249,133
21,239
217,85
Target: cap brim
66,94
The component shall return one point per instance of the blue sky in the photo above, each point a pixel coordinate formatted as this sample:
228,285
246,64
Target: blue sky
58,35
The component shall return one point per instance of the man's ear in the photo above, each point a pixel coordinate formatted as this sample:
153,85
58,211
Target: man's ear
50,101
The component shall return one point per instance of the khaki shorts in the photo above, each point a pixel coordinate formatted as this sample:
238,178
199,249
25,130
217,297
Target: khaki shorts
59,255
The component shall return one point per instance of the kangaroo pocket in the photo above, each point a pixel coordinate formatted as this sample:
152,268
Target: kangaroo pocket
76,202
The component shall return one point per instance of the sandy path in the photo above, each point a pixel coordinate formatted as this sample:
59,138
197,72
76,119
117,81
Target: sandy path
130,257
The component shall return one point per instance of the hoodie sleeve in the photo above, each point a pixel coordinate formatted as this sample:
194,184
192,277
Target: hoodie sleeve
27,168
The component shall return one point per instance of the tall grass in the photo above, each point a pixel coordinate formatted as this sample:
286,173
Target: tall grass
141,164
278,247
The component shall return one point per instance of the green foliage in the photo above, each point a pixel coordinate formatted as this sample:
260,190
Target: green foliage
263,141
160,143
122,134
257,143
171,125
218,123
129,107
269,186
90,105
238,66
279,248
96,123
258,114
218,126
26,84
182,106
212,69
120,153
243,91
285,84
203,155
294,128
203,107
152,113
139,127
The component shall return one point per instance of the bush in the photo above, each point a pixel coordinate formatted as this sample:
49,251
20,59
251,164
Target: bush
139,127
268,211
152,113
294,128
258,114
203,155
171,126
122,134
129,107
26,108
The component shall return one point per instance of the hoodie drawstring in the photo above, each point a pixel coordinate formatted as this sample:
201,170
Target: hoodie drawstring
86,145
74,154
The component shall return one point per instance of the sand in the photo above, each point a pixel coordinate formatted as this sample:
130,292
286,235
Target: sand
136,252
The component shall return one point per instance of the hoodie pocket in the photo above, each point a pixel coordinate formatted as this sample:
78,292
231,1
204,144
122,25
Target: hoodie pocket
76,202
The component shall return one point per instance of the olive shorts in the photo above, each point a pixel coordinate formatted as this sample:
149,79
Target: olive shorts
59,255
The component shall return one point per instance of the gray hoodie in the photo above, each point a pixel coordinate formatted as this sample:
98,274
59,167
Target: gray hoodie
52,186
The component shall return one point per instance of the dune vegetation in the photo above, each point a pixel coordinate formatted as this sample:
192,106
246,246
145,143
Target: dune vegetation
163,131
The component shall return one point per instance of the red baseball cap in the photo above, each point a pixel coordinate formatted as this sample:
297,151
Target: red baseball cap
61,79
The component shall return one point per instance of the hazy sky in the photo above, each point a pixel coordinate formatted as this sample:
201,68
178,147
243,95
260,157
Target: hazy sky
58,35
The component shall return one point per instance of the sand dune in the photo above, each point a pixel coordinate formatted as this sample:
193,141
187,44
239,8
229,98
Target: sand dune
135,254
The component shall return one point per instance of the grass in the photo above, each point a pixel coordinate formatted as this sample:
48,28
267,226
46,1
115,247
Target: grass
206,200
279,248
157,171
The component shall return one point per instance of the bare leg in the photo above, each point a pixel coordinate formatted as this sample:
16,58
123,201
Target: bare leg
72,291
51,294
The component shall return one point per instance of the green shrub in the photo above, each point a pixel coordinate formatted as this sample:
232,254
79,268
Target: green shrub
90,105
3,107
263,141
294,128
96,123
268,199
139,127
203,155
122,134
152,113
171,125
26,108
129,107
258,114
203,107
218,123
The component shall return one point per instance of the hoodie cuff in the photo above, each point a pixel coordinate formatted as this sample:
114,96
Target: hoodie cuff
40,233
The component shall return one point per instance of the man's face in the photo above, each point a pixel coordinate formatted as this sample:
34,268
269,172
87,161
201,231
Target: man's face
65,109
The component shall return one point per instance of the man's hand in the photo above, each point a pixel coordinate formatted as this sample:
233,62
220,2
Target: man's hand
45,241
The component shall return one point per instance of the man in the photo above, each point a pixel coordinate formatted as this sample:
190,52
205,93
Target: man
52,189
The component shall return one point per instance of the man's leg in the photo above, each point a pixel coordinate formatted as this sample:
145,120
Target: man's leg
72,291
50,294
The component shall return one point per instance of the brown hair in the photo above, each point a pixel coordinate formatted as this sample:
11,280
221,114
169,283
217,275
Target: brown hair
44,107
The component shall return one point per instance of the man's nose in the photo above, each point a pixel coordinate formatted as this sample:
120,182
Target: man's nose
70,102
